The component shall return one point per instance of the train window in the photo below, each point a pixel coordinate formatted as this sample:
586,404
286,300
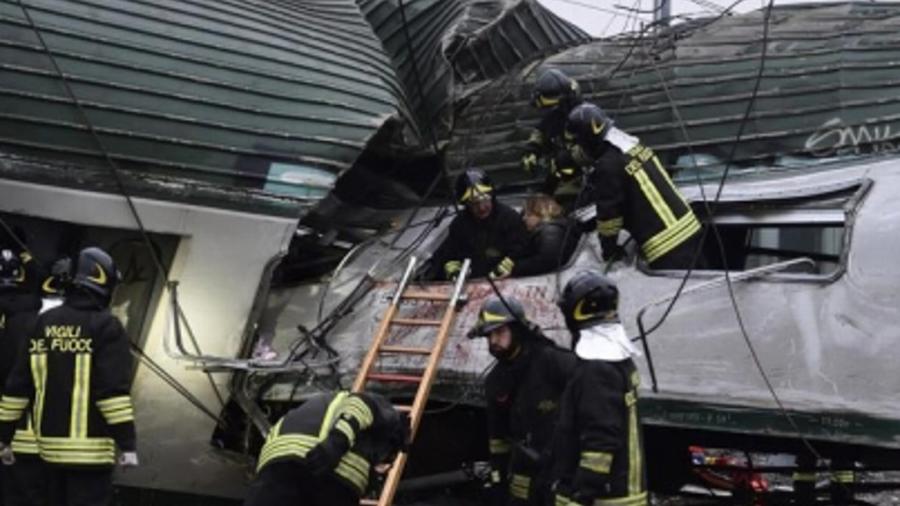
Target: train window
749,244
765,232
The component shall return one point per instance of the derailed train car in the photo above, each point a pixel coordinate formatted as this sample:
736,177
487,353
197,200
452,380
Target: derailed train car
225,122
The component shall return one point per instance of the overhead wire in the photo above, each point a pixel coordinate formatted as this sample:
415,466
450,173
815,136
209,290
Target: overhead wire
113,165
720,242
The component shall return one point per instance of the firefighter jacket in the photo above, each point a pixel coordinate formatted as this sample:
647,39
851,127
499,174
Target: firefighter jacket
549,247
18,312
523,396
75,373
499,237
370,427
633,191
598,457
547,141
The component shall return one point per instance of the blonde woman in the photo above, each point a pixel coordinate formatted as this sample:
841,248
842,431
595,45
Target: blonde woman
552,237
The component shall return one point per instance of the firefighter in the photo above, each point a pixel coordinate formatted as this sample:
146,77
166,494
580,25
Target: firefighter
489,232
24,480
633,191
598,458
75,371
555,94
323,452
522,392
53,288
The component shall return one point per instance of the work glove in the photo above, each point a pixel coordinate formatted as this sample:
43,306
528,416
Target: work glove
451,269
612,252
324,457
6,455
529,162
128,459
503,269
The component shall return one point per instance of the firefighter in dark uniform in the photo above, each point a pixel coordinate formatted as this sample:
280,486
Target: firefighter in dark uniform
324,452
555,95
488,232
598,455
24,480
522,394
75,372
633,191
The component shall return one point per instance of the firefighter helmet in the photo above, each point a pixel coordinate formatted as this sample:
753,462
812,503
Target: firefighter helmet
96,272
587,125
12,272
496,312
553,89
471,184
60,277
588,299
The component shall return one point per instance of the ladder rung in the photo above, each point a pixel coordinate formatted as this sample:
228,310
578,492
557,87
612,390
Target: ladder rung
414,295
405,350
403,409
368,502
416,321
394,378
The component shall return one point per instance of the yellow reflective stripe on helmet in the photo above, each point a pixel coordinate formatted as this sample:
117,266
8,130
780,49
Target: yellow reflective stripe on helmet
498,446
543,101
39,377
81,386
671,237
519,486
598,462
610,227
629,500
478,188
651,193
489,317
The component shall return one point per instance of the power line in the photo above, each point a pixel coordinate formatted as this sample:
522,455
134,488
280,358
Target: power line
114,170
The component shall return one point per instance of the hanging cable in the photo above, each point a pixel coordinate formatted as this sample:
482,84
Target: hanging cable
720,243
114,168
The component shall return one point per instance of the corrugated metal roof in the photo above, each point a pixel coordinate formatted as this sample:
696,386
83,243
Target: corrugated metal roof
825,62
459,42
220,91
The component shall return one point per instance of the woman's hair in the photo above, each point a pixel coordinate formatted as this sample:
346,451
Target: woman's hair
543,206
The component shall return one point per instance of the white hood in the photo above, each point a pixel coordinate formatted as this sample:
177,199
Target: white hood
621,140
606,341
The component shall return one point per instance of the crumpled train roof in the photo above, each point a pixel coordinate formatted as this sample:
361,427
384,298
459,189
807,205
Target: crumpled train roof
829,67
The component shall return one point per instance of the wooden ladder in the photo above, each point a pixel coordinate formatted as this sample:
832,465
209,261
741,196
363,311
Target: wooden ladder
433,354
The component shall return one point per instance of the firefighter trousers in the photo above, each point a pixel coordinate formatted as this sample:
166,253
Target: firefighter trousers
80,486
25,482
289,483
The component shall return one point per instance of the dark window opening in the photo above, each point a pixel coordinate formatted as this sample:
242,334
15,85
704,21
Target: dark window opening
748,246
134,300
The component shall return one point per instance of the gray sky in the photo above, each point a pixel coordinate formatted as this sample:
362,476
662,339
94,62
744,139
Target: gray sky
607,17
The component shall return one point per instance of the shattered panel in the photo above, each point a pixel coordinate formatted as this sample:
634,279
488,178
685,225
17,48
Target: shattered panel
459,42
